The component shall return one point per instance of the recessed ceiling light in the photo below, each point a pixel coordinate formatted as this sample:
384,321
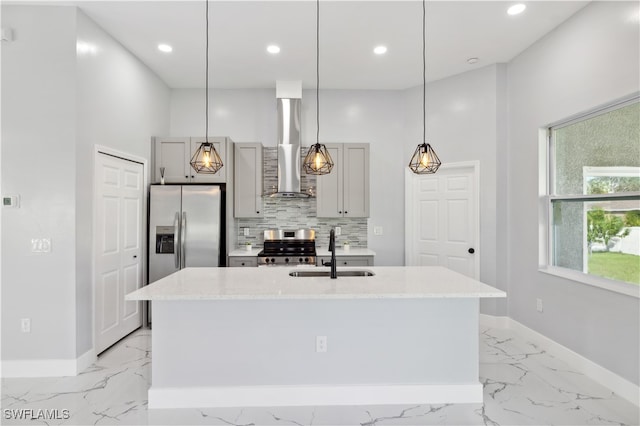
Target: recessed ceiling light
516,9
472,61
273,49
165,48
380,50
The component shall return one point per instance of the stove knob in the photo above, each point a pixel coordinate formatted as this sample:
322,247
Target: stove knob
300,260
286,260
266,260
306,260
273,260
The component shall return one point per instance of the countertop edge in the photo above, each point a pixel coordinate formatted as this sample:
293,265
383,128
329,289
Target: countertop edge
186,297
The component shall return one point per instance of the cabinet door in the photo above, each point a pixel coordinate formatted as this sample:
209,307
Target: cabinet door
346,260
355,165
354,261
220,143
240,262
173,155
329,191
248,180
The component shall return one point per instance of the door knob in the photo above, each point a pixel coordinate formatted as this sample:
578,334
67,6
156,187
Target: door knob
471,250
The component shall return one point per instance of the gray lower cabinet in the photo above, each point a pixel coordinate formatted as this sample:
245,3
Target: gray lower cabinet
346,260
243,261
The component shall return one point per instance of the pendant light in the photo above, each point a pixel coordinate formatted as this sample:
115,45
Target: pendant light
318,161
206,159
424,159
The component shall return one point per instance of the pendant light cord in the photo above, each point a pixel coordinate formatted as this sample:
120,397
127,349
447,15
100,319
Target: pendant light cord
317,72
424,77
206,91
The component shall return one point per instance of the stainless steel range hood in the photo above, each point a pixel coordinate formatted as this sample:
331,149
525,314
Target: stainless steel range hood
289,146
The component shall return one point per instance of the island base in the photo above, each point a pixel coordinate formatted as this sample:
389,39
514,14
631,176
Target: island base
293,396
249,353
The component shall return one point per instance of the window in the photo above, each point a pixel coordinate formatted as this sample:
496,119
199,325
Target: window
594,195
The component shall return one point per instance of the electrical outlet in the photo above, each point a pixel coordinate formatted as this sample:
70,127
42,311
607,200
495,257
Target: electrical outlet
321,343
539,305
247,232
25,325
377,230
338,230
41,245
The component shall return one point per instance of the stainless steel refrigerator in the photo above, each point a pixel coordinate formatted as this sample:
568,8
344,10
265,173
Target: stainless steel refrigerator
185,228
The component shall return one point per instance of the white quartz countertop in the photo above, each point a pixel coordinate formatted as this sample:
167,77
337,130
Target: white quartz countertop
320,251
353,251
392,282
244,252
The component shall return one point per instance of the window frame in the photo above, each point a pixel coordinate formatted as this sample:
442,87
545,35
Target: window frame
547,196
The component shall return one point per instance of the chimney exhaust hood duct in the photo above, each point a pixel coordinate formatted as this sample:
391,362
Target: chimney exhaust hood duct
289,101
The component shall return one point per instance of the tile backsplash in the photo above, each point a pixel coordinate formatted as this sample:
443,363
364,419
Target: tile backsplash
296,213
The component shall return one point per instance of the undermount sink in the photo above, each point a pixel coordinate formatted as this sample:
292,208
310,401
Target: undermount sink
328,273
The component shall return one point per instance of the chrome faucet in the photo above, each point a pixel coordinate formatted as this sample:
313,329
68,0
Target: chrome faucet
332,249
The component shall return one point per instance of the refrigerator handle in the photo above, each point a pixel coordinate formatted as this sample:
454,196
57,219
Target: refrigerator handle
183,236
176,237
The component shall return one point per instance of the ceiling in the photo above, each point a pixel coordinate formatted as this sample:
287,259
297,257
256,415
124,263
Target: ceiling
241,30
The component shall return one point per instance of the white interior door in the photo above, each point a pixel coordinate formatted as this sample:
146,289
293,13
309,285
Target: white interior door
442,221
118,248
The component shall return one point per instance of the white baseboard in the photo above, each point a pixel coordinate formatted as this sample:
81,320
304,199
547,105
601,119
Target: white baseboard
85,360
274,396
605,377
39,368
48,367
494,321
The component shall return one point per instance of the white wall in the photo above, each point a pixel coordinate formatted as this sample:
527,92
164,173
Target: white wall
345,116
55,107
462,112
388,120
590,60
38,163
121,104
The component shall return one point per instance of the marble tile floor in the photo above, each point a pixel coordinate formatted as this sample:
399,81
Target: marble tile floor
523,385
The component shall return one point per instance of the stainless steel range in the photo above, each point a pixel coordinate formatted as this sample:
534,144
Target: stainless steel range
283,248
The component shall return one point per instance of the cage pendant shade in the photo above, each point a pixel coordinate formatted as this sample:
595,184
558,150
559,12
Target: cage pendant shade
424,160
318,160
206,159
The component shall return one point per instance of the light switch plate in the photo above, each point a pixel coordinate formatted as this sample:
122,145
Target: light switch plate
338,230
377,230
247,232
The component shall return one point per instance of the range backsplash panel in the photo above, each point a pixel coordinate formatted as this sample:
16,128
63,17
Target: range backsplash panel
296,213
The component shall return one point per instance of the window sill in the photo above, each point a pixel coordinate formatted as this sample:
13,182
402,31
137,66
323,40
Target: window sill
592,280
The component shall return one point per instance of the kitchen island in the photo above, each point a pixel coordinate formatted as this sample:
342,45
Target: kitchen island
229,337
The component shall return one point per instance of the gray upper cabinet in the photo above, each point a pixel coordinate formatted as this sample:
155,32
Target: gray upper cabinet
174,154
345,191
248,180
